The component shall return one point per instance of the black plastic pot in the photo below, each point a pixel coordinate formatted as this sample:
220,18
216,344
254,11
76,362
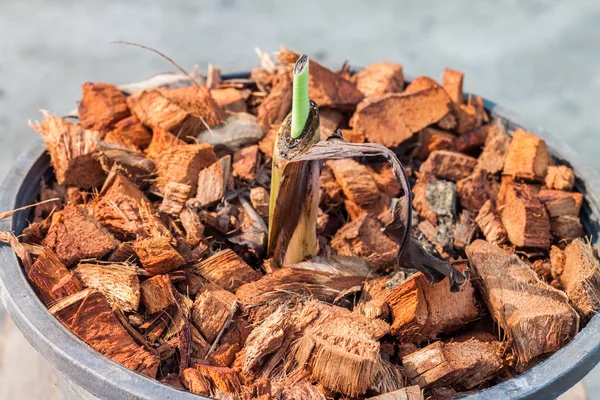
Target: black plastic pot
85,374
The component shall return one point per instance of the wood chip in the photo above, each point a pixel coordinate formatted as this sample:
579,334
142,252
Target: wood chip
47,274
407,393
129,131
472,140
464,231
467,364
230,99
475,190
581,277
213,181
470,115
496,147
525,218
378,79
330,120
184,111
259,197
539,319
490,223
559,203
74,235
384,178
432,139
212,309
157,293
176,195
101,106
245,162
566,228
119,283
227,270
72,152
560,178
157,255
363,238
355,181
161,142
194,229
217,380
448,165
394,118
330,191
276,106
89,316
527,156
453,85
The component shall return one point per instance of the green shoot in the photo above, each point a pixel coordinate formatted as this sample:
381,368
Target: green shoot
300,101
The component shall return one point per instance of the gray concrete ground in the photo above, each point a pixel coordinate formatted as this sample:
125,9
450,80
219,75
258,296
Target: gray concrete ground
539,58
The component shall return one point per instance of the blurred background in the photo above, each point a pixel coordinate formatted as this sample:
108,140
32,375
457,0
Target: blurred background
538,58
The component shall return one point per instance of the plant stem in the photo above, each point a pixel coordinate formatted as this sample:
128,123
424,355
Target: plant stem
300,103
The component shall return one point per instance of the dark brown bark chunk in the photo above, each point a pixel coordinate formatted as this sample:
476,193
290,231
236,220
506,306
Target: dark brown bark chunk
536,317
525,218
101,106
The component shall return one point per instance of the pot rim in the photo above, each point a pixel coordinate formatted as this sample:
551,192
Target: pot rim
105,378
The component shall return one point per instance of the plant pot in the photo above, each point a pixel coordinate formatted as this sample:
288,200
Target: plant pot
84,373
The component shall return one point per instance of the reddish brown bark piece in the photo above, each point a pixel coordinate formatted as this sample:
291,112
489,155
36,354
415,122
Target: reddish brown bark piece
325,87
259,197
194,229
465,364
176,194
330,120
496,146
470,115
129,130
363,238
421,83
89,316
72,152
566,228
560,178
74,235
527,156
212,309
195,382
422,311
355,181
525,218
490,224
384,178
581,277
352,136
119,283
475,190
230,99
219,379
394,118
47,274
184,111
453,85
407,393
161,142
559,203
157,255
227,270
449,165
464,231
119,206
378,79
472,140
181,164
379,208
432,139
536,317
212,182
267,143
101,106
331,194
276,105
245,162
157,293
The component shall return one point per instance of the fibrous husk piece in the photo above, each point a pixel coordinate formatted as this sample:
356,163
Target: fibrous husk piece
101,106
407,393
490,224
525,218
448,165
239,130
560,178
421,311
355,181
496,147
184,111
157,293
162,140
75,235
157,255
227,270
176,195
245,162
194,229
394,118
372,302
453,85
47,274
581,277
181,164
72,152
231,99
89,316
432,139
119,283
378,79
212,309
536,317
559,203
325,87
462,364
527,157
213,183
363,238
277,104
129,131
212,381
